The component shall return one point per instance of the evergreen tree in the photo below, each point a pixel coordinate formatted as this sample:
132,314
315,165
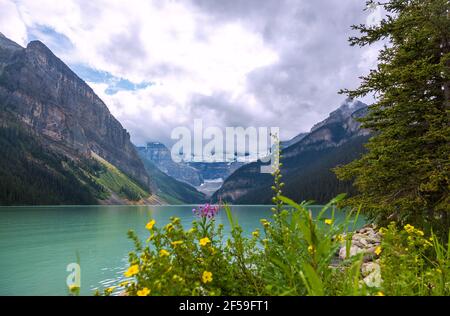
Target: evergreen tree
404,176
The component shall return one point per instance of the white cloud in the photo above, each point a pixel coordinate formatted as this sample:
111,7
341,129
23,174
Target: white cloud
11,24
265,64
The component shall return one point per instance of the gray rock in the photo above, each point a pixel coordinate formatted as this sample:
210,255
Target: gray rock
373,279
45,94
369,267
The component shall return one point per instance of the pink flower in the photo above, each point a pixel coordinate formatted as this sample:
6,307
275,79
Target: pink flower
207,210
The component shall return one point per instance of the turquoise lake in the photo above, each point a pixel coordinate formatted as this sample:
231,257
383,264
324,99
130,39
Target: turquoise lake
37,243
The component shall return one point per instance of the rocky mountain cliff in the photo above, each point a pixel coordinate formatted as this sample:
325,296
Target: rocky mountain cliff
168,188
160,155
46,95
200,175
307,163
59,130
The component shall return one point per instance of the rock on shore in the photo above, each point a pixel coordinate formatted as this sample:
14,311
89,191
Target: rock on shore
365,241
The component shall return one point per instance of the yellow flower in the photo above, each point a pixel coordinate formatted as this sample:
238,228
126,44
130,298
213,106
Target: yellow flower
409,228
382,230
133,270
207,277
144,292
176,220
73,287
328,221
380,293
204,241
265,222
339,238
109,290
169,227
311,249
190,231
150,224
378,250
124,283
176,243
164,253
419,232
255,234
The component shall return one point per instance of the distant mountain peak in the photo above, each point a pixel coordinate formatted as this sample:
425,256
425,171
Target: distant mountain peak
345,110
349,106
40,47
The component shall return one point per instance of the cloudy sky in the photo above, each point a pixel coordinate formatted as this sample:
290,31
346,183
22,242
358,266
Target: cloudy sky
161,64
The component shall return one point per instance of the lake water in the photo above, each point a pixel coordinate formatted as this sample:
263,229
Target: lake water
37,243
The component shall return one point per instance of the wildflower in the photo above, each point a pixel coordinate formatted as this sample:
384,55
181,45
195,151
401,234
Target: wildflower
176,243
132,270
382,230
409,228
144,292
169,227
164,253
311,249
150,224
419,232
73,287
109,290
204,241
207,277
439,271
378,250
265,223
175,220
255,234
124,283
339,238
207,210
328,221
380,293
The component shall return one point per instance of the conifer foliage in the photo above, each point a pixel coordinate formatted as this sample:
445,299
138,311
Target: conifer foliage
404,176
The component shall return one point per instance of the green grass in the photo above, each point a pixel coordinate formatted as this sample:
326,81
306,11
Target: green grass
116,181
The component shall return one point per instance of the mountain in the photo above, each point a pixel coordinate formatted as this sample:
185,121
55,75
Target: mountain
62,135
160,155
307,163
296,139
206,177
168,188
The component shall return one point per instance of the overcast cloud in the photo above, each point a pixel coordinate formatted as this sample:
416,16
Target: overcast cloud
161,64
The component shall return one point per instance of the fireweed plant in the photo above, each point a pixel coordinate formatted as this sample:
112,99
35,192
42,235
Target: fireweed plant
292,253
